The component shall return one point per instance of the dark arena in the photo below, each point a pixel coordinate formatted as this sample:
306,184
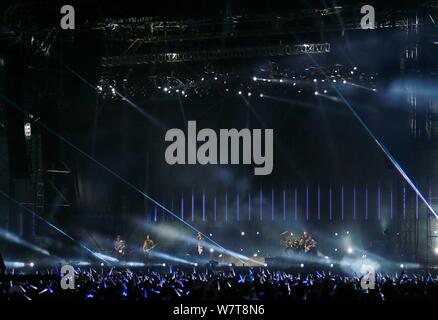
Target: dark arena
253,152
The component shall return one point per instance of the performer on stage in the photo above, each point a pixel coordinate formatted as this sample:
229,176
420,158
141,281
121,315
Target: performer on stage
309,243
305,243
302,241
289,244
119,246
148,246
200,246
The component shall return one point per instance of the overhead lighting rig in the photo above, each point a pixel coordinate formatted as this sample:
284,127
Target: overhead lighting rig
258,83
207,55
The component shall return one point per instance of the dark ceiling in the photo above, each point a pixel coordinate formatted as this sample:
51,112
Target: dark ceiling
46,12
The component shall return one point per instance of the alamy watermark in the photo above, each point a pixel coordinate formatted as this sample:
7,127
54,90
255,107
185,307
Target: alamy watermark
368,21
184,149
368,280
68,277
68,19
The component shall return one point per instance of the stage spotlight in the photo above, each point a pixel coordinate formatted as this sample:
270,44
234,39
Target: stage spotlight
258,233
348,232
196,264
355,68
281,80
240,92
291,234
241,250
331,265
249,94
294,84
344,82
105,257
436,250
364,256
31,264
402,266
352,72
164,264
265,264
255,255
350,250
325,91
334,80
302,265
4,234
336,249
215,78
183,92
211,234
202,79
134,264
220,256
242,233
230,264
14,264
316,93
261,95
254,78
102,264
326,257
211,250
336,234
315,80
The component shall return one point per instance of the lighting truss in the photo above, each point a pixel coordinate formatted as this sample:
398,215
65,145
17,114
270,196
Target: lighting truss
235,53
201,82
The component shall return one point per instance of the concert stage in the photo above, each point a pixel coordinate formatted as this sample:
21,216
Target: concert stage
226,149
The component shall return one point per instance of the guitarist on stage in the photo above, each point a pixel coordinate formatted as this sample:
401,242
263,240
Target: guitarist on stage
148,246
119,246
200,240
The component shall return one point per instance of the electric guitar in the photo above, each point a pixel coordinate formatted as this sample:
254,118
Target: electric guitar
149,250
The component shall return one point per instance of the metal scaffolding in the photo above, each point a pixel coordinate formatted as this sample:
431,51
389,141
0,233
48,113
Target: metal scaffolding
204,55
